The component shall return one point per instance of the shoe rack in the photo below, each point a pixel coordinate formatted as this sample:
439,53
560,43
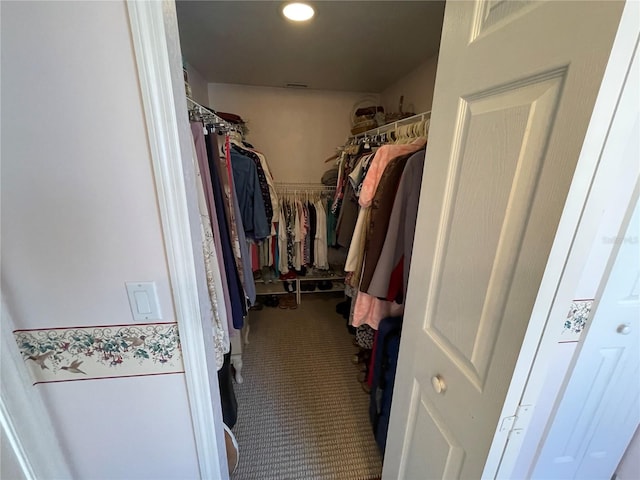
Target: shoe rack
276,286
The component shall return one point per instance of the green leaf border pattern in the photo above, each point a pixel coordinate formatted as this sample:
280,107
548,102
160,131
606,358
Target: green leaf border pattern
134,348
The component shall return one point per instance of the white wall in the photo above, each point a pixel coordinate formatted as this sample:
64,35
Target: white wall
198,84
417,88
79,218
296,129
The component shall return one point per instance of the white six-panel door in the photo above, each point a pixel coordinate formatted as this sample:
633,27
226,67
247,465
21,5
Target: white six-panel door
515,87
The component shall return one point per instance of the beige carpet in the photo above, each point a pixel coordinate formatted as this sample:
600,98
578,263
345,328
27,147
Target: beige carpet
301,411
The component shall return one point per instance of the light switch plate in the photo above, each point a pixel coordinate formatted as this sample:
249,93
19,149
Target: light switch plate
143,299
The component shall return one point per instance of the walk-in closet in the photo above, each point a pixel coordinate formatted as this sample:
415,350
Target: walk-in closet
309,140
378,240
380,185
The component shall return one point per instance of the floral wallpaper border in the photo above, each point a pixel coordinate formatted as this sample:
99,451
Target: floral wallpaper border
576,320
82,353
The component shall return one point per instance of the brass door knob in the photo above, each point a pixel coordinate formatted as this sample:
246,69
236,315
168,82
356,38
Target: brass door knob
438,384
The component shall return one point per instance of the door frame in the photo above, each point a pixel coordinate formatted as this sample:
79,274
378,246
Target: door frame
156,43
153,27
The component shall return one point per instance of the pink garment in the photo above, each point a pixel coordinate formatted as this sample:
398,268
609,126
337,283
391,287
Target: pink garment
369,309
381,159
372,310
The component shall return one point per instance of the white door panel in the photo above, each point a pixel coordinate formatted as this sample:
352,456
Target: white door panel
514,91
600,410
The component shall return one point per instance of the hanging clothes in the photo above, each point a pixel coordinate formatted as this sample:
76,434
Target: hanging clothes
197,131
262,179
387,280
381,206
242,205
395,253
246,271
221,344
313,228
382,157
235,288
321,252
347,217
303,230
332,223
249,195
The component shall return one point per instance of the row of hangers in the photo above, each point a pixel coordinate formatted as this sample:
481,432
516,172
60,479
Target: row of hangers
400,135
304,194
402,131
198,113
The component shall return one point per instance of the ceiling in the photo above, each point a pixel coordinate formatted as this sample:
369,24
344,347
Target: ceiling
361,46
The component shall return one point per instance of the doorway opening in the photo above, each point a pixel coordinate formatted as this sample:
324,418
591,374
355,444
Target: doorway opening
546,77
305,108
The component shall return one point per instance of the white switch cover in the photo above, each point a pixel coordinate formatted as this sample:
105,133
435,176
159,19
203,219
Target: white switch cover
143,299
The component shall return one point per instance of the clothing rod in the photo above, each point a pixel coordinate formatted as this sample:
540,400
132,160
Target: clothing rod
307,184
304,185
393,126
206,111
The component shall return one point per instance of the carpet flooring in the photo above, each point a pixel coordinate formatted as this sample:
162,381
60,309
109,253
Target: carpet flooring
301,412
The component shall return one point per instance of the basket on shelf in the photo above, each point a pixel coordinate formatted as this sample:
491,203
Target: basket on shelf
399,115
366,114
394,117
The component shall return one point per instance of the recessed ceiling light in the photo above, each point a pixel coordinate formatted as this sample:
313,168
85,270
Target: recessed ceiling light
298,12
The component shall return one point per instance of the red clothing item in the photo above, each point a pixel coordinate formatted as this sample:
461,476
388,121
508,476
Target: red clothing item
371,360
396,283
255,258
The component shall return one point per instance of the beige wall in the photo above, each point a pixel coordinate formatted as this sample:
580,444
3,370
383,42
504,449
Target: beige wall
296,129
79,218
417,88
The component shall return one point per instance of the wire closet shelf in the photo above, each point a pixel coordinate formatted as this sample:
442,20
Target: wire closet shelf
391,127
284,188
208,115
304,186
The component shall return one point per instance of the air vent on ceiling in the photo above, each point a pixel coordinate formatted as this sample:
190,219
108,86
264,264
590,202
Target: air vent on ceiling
296,85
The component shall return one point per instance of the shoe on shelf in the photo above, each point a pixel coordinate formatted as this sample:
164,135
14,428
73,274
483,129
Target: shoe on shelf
290,275
289,287
267,274
309,286
325,285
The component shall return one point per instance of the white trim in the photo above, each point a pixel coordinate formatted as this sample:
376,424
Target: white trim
23,416
153,41
593,178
